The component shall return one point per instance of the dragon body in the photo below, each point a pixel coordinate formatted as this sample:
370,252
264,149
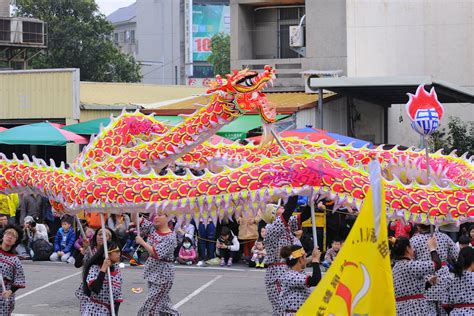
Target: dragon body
122,169
229,99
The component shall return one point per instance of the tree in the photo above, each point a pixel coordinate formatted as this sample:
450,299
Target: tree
220,55
79,37
459,137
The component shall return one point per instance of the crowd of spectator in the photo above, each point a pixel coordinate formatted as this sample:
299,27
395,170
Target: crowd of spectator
203,241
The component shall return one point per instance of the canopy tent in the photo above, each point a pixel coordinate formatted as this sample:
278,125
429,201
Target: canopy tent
357,143
239,128
236,130
44,133
315,135
309,132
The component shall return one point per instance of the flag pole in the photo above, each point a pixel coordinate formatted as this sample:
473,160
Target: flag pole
313,224
138,224
106,254
428,171
375,178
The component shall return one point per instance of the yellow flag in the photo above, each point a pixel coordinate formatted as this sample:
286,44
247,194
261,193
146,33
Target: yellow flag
359,281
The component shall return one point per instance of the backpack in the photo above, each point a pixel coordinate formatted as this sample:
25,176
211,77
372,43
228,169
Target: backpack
42,250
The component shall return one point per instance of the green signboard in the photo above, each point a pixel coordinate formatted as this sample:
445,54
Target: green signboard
208,20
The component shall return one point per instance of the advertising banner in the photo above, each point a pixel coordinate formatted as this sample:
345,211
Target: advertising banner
208,20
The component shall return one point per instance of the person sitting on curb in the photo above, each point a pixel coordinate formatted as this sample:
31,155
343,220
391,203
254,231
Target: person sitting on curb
64,242
187,252
258,255
332,252
227,247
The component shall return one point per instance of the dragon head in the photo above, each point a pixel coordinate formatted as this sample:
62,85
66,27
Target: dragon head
244,89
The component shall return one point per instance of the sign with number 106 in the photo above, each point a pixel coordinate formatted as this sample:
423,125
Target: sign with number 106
202,45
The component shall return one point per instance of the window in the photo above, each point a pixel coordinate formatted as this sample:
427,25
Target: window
127,36
32,32
271,37
116,38
203,71
132,36
287,17
5,30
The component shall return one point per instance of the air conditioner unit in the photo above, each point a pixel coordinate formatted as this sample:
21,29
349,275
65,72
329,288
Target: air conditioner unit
22,31
296,36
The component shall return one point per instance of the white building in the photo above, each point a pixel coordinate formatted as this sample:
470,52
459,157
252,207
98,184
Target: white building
432,38
393,41
125,25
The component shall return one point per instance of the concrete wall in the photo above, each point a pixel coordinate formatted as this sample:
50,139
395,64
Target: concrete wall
370,126
159,34
394,37
326,46
241,26
325,39
403,134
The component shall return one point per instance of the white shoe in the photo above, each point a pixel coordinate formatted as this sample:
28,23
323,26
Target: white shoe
201,263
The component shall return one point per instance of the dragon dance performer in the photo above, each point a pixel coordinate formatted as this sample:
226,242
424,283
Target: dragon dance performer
11,269
409,276
460,294
295,282
159,268
84,255
97,289
279,232
447,250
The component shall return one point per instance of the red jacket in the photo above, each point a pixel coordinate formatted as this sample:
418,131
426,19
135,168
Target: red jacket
400,229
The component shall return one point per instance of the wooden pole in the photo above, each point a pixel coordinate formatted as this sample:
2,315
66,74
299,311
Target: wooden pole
277,138
106,254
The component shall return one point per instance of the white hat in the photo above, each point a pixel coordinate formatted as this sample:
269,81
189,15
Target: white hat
28,219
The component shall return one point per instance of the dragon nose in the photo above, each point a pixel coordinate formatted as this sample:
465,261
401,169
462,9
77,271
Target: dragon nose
268,68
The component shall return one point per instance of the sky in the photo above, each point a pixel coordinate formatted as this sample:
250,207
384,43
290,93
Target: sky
109,6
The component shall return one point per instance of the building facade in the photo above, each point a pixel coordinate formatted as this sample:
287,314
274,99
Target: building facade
413,38
125,27
356,38
161,35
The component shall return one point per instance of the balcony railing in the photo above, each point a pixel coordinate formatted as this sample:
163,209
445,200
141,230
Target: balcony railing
288,71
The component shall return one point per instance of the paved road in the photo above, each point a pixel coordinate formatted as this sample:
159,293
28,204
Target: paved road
196,291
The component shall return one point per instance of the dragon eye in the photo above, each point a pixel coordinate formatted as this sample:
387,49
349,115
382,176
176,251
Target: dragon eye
247,80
